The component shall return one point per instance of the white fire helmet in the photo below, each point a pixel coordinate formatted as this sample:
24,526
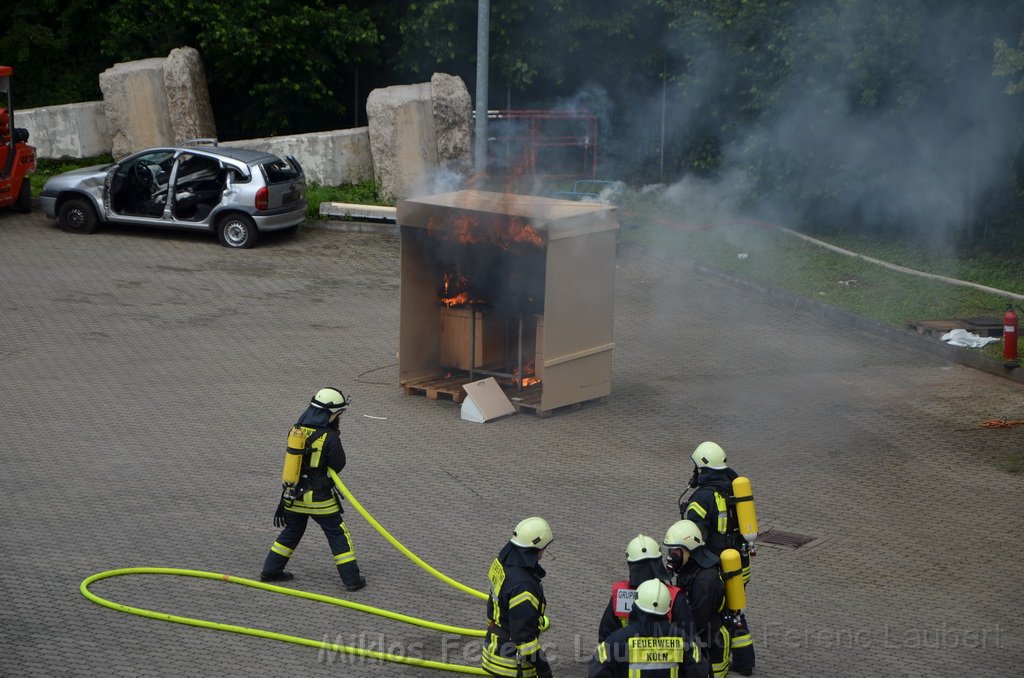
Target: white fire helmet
653,597
532,533
642,547
330,399
709,455
684,534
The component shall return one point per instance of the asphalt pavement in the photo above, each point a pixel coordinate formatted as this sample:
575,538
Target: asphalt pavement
148,380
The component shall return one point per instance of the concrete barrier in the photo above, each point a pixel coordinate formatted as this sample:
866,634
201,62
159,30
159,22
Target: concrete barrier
402,138
333,158
68,131
420,136
157,102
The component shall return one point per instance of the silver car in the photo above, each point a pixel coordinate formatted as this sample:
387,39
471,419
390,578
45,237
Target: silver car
233,192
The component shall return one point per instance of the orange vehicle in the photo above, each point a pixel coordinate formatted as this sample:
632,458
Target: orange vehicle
17,158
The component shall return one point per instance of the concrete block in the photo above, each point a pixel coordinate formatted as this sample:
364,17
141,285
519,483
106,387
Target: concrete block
453,123
137,109
188,98
329,158
351,211
157,102
403,142
68,131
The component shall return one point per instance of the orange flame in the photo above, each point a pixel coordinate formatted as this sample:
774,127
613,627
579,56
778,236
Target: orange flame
458,300
466,228
520,231
470,230
453,291
461,282
529,377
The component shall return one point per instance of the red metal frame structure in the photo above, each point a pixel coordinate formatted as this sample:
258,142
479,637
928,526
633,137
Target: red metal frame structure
553,144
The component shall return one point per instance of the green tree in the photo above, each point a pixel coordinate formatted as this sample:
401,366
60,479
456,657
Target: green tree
273,66
51,46
539,49
1009,61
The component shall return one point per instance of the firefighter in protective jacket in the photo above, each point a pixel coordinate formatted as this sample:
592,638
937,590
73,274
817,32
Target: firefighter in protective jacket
698,574
650,646
314,495
643,556
710,508
515,607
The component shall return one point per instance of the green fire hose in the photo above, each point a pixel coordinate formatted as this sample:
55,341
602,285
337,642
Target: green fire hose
298,640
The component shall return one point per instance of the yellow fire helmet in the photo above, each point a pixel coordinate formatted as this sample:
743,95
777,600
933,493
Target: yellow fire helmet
642,547
653,597
709,455
532,533
684,534
331,399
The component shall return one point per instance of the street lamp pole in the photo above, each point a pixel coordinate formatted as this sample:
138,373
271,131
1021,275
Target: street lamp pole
483,49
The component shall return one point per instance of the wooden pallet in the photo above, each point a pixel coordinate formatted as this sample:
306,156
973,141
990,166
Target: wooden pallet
438,386
528,401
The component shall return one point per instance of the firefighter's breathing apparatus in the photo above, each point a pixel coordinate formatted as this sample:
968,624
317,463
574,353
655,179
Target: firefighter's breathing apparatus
732,573
298,640
742,504
742,500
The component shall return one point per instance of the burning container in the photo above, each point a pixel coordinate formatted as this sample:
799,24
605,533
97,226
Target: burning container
516,287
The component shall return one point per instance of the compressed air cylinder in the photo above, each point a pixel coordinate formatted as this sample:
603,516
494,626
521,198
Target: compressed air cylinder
746,514
293,456
735,594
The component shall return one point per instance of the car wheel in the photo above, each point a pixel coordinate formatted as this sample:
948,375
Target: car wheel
24,203
76,215
237,230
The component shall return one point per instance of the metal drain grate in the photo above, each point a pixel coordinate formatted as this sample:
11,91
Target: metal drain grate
789,539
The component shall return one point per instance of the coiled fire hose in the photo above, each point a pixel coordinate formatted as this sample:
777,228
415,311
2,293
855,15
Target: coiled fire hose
299,640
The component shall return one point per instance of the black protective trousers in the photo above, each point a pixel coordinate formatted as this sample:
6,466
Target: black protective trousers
338,538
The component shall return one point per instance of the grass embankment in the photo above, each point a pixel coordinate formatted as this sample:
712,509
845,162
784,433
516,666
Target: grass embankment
364,193
769,256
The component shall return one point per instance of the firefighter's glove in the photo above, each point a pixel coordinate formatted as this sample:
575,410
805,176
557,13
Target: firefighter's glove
544,623
279,515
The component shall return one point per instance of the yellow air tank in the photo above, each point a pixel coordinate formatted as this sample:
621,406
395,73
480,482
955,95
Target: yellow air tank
746,514
293,456
735,595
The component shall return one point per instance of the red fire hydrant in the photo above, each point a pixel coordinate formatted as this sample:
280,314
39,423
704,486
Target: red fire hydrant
1010,334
